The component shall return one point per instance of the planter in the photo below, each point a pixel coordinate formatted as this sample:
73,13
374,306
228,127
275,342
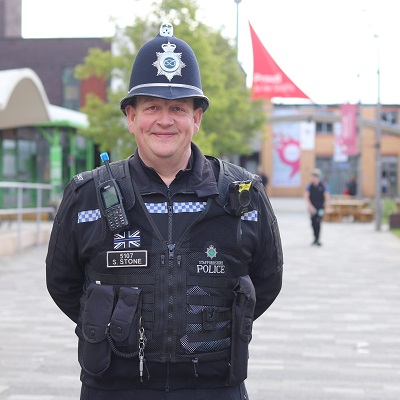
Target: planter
394,221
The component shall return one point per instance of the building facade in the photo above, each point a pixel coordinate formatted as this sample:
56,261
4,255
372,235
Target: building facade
299,138
39,141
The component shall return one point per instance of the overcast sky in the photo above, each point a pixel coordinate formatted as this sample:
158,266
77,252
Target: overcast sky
331,49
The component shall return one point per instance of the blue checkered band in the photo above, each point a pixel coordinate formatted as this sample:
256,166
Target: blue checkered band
88,216
178,207
250,216
190,206
157,208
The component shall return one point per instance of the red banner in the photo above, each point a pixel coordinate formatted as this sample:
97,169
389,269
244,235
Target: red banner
346,139
268,79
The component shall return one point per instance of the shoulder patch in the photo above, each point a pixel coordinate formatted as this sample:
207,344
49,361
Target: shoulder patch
83,177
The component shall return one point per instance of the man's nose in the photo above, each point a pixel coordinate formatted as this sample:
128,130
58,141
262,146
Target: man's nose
165,117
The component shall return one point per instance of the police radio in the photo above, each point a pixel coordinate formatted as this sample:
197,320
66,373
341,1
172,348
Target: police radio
240,197
112,200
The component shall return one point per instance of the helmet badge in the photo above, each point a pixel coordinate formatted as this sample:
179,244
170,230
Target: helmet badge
168,63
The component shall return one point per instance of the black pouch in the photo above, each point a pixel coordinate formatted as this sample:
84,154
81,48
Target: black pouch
242,325
95,354
124,326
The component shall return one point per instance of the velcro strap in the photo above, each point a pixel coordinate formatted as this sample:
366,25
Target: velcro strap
148,316
209,336
217,317
209,301
207,281
148,298
131,280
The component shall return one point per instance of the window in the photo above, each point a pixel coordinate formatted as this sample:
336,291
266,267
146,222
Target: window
71,89
27,151
390,116
324,127
9,153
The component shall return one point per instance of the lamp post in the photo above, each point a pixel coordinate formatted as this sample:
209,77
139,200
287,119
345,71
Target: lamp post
359,158
237,24
378,162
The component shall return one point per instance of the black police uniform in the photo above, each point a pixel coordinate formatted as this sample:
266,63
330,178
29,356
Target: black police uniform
167,305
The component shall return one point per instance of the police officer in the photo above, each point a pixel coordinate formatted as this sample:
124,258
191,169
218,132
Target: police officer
165,259
317,199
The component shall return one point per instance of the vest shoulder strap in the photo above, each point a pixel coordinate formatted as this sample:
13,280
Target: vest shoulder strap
121,173
229,173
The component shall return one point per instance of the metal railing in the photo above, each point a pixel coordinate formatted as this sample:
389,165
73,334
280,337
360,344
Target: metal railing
20,210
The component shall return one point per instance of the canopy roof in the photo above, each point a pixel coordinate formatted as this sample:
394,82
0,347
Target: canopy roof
24,102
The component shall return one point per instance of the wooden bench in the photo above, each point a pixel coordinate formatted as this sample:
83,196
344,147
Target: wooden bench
333,216
350,209
366,215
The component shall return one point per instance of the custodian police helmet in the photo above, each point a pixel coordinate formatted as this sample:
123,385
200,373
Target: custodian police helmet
165,67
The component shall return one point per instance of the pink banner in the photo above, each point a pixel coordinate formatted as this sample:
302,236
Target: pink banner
286,155
268,79
346,140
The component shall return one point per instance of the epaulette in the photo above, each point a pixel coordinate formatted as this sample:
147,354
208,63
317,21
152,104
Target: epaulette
82,178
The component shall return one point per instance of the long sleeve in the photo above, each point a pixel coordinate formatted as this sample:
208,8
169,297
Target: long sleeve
267,264
64,274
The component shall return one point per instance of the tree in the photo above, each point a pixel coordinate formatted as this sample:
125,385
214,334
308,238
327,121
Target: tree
233,117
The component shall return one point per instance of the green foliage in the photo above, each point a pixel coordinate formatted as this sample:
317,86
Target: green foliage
233,117
389,206
396,232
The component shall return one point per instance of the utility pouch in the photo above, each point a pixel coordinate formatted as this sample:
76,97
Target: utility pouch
242,324
95,354
124,325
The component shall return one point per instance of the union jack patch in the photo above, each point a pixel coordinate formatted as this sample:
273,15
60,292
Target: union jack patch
126,240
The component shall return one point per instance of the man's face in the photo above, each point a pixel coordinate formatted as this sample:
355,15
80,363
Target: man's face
163,128
315,179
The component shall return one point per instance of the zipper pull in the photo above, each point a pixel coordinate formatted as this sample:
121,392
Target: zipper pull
171,248
195,362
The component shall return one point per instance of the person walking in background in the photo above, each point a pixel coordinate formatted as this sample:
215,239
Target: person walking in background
317,199
351,187
165,278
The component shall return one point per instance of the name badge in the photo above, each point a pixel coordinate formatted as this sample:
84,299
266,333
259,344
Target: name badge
128,258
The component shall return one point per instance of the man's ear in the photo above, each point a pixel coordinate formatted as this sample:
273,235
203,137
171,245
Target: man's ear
130,117
197,117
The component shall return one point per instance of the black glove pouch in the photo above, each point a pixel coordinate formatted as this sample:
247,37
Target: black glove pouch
242,324
124,324
95,353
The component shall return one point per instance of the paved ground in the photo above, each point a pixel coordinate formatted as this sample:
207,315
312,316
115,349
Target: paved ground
15,236
332,334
